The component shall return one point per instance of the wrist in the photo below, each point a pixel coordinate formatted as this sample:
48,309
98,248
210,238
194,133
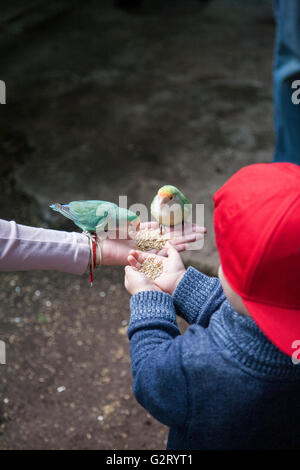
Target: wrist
179,276
145,289
99,253
106,255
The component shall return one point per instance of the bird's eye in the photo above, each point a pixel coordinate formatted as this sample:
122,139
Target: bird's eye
171,197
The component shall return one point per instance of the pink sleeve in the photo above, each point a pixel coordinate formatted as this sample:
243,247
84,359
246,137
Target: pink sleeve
23,248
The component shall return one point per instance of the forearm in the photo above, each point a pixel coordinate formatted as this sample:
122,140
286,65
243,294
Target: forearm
152,317
197,297
24,248
159,382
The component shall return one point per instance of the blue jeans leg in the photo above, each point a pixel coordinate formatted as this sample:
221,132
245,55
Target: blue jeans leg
286,71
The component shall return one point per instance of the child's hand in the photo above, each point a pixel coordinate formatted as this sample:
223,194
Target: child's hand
137,282
173,267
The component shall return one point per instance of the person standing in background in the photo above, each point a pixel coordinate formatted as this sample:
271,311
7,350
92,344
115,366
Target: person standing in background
286,72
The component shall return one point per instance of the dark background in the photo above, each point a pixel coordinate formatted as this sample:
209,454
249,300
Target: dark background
104,101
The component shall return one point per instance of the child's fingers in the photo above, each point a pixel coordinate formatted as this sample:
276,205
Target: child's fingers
140,256
134,253
133,262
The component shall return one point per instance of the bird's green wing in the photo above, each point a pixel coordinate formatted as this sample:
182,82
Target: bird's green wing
126,214
184,199
90,214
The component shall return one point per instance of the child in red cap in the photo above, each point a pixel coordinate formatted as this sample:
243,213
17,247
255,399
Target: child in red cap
232,380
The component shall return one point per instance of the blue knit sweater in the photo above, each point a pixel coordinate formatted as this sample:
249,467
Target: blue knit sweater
220,385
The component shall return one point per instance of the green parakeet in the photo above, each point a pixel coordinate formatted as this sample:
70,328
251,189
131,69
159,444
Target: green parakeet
170,206
97,216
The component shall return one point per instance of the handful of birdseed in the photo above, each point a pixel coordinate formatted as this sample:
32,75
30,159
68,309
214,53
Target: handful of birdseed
152,267
150,240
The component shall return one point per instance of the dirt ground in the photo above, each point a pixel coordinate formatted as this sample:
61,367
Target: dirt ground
101,103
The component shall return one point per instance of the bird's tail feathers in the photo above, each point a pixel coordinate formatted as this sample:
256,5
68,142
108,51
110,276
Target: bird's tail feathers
63,209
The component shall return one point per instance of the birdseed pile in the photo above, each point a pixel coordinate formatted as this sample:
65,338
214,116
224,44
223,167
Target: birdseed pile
150,239
152,267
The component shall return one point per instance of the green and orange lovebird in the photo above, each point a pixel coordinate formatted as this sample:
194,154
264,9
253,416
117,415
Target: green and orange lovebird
98,216
170,206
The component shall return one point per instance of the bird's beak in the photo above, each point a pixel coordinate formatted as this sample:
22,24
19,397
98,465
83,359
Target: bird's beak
135,225
163,200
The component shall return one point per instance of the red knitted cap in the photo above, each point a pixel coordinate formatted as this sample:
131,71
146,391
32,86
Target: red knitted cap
257,229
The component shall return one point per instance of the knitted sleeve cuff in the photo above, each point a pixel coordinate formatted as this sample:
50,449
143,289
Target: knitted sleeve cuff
192,293
149,305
